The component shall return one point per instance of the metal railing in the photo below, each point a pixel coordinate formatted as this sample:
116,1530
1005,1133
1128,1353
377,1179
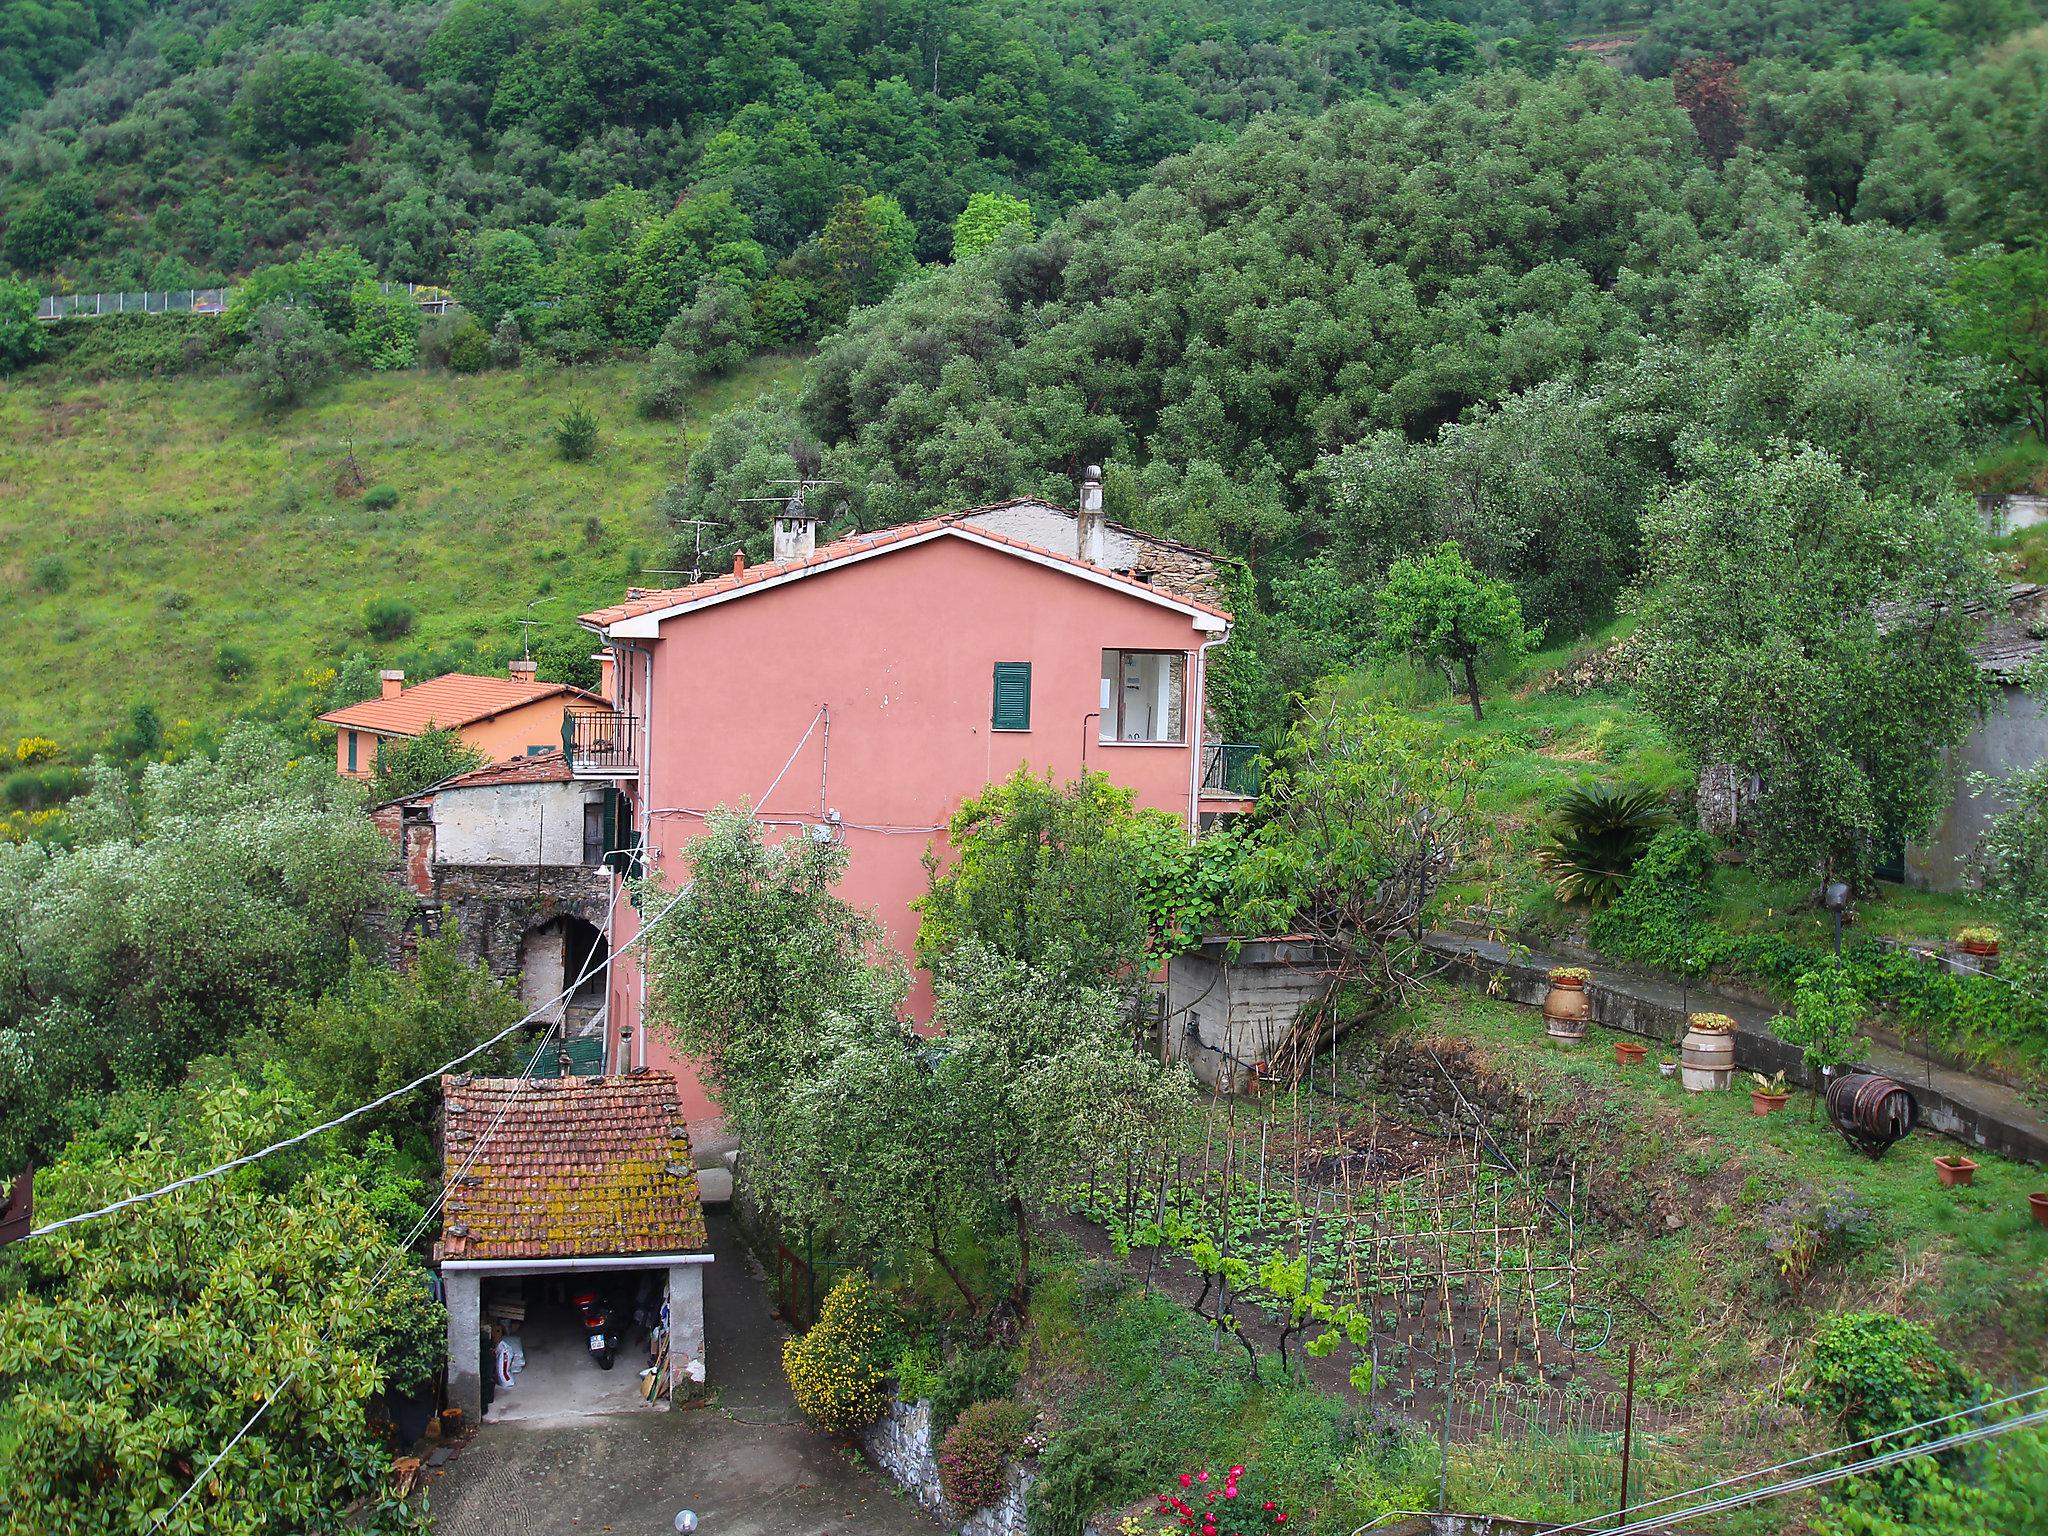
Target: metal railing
601,743
1232,769
197,301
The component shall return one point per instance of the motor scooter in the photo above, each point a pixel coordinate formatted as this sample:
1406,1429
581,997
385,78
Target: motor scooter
599,1330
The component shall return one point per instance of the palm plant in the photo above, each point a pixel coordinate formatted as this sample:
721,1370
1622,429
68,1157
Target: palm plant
1597,835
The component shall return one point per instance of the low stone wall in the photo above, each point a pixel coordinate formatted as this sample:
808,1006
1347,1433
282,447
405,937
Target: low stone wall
900,1444
1226,1013
1981,1114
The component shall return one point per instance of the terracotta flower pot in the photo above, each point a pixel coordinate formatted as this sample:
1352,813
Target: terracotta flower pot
2038,1204
1954,1170
1983,948
1627,1052
1761,1103
1566,1008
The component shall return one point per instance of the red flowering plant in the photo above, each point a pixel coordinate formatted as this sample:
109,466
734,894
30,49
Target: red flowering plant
1218,1506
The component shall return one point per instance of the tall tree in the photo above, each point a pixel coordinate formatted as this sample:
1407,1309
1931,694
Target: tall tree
1816,635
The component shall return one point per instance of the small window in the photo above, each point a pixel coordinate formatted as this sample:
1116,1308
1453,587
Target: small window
1143,695
351,751
1012,708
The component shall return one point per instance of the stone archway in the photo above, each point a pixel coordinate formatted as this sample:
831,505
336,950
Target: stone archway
555,953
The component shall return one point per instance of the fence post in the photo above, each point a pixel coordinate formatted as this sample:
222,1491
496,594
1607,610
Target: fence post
1443,1466
1628,1428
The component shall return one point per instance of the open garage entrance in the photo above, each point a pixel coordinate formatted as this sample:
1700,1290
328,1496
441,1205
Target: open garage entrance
545,1314
560,1188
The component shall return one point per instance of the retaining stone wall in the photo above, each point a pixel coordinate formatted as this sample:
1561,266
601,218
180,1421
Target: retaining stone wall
900,1445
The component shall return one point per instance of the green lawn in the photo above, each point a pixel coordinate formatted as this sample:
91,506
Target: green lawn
146,523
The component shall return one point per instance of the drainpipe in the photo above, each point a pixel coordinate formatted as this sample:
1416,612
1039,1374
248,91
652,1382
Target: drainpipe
647,850
1196,726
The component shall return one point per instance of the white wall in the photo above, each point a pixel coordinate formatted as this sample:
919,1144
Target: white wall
511,824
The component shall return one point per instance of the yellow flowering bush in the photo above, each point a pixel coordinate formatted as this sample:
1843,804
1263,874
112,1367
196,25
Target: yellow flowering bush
839,1370
35,749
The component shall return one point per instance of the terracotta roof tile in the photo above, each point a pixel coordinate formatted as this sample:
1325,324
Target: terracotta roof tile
450,701
861,543
576,1167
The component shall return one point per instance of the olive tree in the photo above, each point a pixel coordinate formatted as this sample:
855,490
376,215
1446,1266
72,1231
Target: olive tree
1817,636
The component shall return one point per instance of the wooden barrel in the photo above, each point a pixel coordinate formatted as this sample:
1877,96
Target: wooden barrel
1871,1111
1706,1060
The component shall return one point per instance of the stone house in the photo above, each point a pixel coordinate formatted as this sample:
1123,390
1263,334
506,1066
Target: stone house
515,859
2011,737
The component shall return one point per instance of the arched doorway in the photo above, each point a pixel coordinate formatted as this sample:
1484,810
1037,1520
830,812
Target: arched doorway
552,955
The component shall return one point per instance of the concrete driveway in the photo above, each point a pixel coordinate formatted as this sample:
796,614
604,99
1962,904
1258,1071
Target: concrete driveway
747,1463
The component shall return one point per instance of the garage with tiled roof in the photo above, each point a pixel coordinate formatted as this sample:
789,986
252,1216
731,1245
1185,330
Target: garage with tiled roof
572,1242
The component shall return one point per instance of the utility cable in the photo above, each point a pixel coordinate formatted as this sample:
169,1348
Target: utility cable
341,1119
1658,1523
1800,1461
397,1253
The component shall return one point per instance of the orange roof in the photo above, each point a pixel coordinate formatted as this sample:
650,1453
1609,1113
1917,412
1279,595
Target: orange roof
862,544
571,1167
453,700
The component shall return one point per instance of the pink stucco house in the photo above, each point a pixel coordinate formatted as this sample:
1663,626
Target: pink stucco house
877,681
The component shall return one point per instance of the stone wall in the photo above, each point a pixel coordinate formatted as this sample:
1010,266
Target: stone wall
900,1445
1224,1013
495,906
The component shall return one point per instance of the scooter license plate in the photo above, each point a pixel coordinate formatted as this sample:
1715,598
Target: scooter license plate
597,1343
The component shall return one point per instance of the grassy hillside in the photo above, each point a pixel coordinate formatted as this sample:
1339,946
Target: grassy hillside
144,525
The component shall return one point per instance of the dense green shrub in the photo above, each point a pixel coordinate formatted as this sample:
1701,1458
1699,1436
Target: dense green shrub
1598,833
975,1456
505,343
299,101
231,662
137,346
971,1376
379,497
455,340
1872,1374
386,329
21,333
386,618
289,356
51,573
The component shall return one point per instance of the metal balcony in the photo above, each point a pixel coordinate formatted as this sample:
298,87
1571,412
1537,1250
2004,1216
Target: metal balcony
1231,770
601,743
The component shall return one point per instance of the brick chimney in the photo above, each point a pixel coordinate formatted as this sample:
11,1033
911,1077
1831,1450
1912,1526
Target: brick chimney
1088,527
390,684
524,671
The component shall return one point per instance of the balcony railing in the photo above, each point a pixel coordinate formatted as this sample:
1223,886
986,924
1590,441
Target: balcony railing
601,743
1231,770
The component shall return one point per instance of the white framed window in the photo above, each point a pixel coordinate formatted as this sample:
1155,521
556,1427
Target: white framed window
1144,696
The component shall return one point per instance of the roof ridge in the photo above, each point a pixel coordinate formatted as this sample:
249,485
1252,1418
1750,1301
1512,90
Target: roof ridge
839,549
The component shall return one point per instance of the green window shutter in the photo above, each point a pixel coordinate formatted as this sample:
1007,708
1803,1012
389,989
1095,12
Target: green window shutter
1012,711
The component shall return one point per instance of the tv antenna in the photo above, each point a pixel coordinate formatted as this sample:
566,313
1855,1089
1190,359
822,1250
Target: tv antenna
527,627
697,525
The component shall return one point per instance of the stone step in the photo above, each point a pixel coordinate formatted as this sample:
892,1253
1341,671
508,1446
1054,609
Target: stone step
714,1185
